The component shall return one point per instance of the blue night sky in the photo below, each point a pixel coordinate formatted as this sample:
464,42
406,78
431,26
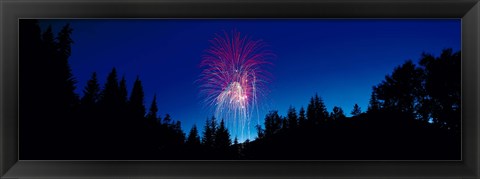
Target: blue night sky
340,59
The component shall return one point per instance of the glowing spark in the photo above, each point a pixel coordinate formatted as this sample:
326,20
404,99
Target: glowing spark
233,78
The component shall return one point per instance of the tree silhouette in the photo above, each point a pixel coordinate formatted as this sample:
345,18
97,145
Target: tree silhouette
222,140
123,93
167,120
108,108
31,105
401,91
152,113
193,138
91,92
66,78
273,123
260,131
45,68
292,117
136,102
109,95
443,88
209,133
285,124
374,104
237,149
356,110
122,113
301,117
312,115
316,111
179,135
337,113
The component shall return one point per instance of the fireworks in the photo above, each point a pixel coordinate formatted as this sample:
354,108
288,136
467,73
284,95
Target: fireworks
233,79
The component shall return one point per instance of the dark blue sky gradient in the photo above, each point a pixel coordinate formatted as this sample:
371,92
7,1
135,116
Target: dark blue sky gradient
340,59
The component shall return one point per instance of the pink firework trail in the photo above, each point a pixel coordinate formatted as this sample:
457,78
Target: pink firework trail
233,79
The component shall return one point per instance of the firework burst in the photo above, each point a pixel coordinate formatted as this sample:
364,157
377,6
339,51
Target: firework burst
233,79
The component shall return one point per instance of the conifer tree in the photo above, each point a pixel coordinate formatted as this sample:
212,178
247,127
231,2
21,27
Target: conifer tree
222,137
208,134
109,94
64,72
193,138
320,109
136,102
235,141
356,110
301,117
152,113
91,92
292,117
316,111
122,92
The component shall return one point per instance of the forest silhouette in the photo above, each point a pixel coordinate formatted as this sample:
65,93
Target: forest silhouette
413,114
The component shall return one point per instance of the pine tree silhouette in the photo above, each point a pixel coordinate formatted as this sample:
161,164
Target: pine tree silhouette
193,139
292,118
222,141
356,110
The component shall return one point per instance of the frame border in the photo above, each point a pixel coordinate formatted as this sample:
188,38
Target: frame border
12,10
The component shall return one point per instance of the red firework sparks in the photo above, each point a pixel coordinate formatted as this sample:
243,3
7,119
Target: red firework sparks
233,77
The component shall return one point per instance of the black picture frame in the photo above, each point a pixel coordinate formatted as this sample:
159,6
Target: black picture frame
467,10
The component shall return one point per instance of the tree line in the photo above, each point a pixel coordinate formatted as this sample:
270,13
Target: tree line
108,121
413,114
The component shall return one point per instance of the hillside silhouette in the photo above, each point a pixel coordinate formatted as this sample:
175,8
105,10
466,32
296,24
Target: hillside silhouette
413,114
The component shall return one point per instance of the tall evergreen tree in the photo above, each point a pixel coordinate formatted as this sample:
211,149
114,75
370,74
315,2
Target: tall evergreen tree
316,111
32,75
49,49
89,113
292,117
214,125
179,135
122,92
285,124
136,102
301,117
208,133
193,138
50,78
152,113
321,109
109,95
91,92
122,113
235,141
222,137
70,98
109,118
311,114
